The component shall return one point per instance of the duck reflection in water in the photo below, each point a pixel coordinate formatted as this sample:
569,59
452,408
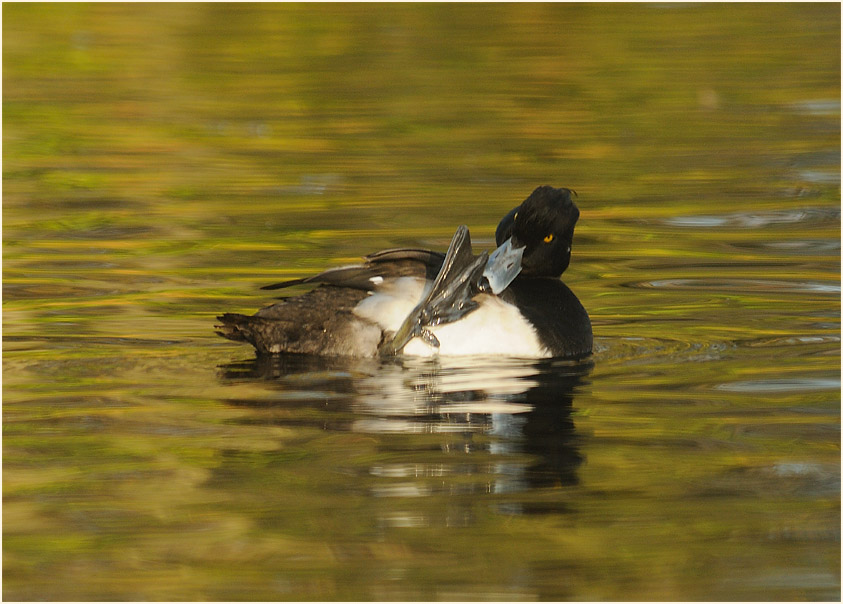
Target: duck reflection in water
506,422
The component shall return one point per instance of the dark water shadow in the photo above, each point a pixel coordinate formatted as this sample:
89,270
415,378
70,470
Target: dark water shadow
514,410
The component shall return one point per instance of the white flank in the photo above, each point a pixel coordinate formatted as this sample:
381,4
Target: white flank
495,328
390,303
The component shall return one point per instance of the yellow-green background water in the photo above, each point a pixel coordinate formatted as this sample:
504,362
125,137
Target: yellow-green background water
161,162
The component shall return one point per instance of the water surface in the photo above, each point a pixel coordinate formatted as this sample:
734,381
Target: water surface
161,162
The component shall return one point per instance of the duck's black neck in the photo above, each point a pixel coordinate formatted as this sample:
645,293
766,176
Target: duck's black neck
561,322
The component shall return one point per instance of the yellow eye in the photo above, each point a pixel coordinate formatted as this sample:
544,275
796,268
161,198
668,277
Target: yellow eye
549,238
514,217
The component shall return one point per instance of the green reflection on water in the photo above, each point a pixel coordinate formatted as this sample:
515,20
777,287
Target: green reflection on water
161,161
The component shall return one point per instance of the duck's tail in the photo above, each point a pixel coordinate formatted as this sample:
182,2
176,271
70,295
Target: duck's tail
233,326
266,335
340,334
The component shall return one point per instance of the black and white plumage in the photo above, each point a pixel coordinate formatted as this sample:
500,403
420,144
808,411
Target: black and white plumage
358,310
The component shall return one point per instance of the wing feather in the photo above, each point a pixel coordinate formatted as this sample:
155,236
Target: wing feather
392,263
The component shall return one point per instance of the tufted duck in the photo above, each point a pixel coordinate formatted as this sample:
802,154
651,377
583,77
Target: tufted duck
421,302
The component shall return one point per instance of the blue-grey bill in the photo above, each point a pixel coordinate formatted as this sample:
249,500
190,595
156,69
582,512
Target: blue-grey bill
503,266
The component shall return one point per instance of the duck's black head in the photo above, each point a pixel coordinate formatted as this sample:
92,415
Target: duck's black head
544,226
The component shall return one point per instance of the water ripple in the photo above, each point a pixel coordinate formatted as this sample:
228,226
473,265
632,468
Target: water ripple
821,107
794,247
754,220
647,350
781,385
736,285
